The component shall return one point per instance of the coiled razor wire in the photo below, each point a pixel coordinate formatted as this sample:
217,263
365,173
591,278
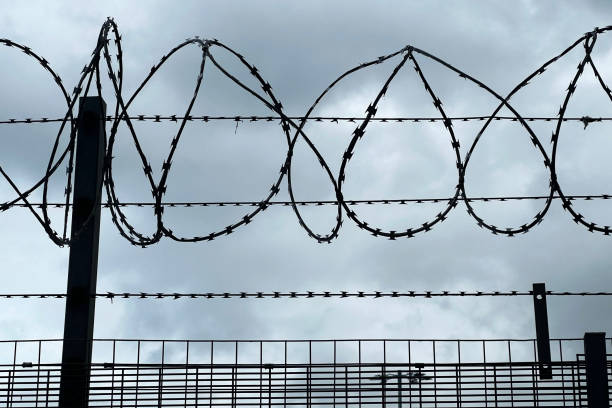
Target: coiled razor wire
293,128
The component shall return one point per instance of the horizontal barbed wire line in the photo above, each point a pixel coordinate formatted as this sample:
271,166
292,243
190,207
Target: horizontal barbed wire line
400,201
293,128
301,294
586,120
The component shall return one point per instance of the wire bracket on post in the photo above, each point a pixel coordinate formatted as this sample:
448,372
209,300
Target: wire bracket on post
542,334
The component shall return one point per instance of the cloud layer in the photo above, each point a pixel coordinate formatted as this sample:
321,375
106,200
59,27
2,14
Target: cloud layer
300,48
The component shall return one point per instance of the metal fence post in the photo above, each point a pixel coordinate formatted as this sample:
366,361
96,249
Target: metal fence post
83,261
542,334
596,371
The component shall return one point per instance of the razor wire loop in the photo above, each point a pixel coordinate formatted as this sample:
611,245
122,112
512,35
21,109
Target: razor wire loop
293,129
52,165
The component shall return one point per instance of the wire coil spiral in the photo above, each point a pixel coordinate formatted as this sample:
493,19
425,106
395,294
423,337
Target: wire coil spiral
293,129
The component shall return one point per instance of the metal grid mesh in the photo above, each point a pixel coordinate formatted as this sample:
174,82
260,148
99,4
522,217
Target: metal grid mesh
303,373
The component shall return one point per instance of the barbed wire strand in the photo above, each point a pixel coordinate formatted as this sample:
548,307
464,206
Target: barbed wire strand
400,201
585,120
302,294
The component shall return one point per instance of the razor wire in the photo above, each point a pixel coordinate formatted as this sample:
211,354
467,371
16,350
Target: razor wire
293,129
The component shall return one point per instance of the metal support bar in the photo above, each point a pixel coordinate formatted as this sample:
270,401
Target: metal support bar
542,335
83,261
596,371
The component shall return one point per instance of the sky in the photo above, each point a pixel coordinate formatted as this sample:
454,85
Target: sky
300,48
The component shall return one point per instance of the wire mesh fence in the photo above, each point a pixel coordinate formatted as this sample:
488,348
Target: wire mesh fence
341,385
303,373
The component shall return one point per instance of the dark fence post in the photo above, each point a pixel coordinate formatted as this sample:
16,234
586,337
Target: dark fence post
83,261
596,371
542,335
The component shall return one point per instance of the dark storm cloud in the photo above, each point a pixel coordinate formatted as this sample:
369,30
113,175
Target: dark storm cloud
300,48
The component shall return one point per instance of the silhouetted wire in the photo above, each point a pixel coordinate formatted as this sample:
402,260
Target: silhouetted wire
400,201
133,375
293,128
585,120
302,294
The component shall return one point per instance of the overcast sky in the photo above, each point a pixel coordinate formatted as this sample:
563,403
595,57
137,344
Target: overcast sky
300,48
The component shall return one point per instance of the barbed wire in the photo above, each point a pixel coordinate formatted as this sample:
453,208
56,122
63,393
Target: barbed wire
585,120
293,130
400,201
301,294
